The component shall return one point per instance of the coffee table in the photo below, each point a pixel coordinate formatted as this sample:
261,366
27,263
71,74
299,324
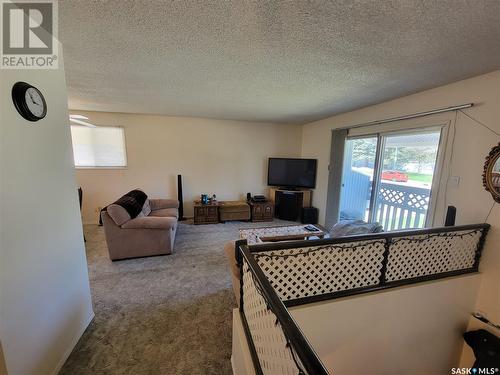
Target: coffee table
281,233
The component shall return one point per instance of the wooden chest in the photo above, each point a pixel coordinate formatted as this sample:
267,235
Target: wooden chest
206,213
262,211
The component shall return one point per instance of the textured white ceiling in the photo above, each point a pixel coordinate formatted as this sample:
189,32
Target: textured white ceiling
290,61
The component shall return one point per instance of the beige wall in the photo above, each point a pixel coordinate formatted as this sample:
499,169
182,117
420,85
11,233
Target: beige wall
44,289
408,330
472,144
226,158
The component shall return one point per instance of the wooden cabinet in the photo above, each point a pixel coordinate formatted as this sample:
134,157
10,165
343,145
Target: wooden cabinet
262,211
206,213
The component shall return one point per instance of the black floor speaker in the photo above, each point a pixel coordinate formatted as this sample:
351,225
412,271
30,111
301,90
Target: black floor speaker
451,214
179,197
309,215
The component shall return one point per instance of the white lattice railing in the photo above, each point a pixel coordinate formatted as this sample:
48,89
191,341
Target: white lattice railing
308,271
271,345
299,272
424,255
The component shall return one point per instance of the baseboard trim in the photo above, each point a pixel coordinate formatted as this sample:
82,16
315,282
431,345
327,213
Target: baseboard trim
66,354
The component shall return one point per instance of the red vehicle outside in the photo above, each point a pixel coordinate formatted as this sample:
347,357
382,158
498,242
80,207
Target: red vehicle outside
394,176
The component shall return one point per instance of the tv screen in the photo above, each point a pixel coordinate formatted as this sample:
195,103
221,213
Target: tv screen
291,172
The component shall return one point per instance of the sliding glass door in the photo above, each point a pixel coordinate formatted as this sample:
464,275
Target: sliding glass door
387,178
357,178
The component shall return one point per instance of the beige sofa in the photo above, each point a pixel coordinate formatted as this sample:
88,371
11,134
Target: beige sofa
152,232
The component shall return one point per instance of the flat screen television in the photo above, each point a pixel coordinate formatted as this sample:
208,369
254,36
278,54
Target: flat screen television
292,173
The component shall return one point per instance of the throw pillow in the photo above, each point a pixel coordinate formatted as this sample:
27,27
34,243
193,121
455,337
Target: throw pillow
146,208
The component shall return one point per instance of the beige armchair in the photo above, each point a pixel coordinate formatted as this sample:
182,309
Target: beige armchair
152,232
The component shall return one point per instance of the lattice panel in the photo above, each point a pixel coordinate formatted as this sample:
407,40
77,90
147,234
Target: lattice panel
268,337
423,255
392,196
303,272
418,201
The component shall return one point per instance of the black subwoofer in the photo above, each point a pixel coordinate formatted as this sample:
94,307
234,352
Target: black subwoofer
309,215
288,205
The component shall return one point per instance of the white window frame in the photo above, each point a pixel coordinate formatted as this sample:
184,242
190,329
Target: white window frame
107,166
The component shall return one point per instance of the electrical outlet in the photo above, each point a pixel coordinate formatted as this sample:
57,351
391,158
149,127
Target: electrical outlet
454,181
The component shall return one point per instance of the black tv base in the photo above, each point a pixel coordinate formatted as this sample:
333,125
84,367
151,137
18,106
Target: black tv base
288,203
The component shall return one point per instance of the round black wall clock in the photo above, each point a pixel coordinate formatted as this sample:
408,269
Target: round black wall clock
29,101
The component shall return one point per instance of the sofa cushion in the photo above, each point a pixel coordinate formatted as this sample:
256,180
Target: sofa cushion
165,212
158,204
150,222
132,202
118,214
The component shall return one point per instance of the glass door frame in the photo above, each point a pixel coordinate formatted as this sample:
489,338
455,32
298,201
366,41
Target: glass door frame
377,170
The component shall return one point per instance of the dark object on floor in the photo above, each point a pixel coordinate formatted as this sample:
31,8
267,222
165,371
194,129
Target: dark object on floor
451,214
100,216
80,198
486,347
309,215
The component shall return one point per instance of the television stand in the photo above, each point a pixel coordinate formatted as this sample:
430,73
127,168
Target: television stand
288,203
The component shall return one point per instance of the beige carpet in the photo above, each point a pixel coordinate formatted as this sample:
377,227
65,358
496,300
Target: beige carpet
160,315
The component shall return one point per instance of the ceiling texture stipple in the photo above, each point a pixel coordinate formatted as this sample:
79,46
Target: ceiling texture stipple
273,61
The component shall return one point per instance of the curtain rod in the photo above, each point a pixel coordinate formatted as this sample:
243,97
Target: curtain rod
407,117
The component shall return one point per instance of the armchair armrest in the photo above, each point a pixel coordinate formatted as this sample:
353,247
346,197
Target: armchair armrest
150,222
158,204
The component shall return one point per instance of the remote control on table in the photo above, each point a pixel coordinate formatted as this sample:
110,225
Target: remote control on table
311,228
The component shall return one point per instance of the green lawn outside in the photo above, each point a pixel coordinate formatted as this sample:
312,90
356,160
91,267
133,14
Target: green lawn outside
427,178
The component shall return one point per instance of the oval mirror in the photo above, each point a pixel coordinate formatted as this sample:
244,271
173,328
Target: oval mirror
491,174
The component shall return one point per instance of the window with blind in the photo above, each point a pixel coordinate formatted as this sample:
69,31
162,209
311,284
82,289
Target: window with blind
99,147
